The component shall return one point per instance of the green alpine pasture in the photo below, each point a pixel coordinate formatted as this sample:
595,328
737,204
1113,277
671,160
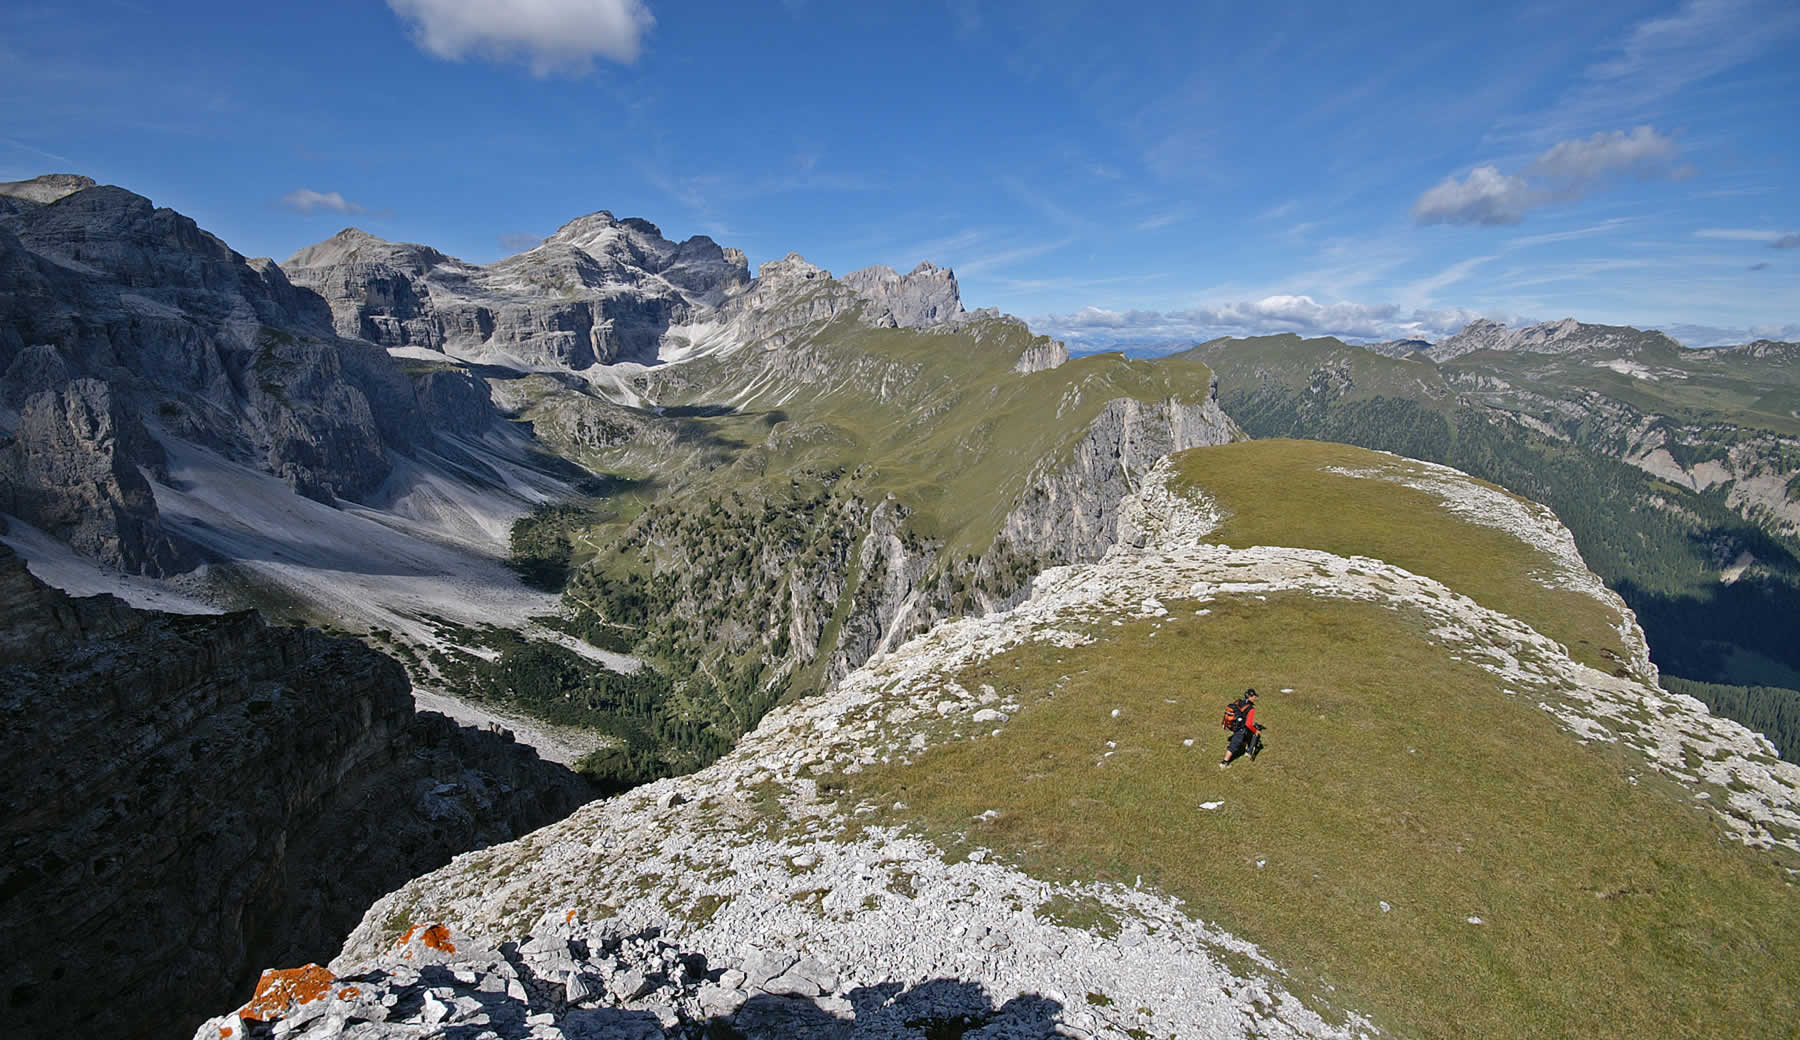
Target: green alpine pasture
1282,492
1660,546
1610,902
939,419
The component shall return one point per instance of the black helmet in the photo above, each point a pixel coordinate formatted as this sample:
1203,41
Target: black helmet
1249,693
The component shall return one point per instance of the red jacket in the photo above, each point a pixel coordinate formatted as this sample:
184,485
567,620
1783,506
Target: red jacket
1250,718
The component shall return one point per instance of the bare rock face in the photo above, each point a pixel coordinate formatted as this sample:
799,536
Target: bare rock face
46,189
196,795
72,468
925,296
176,335
599,290
38,622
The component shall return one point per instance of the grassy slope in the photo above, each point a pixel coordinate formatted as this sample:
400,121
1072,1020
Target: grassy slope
953,432
1277,492
1611,906
1656,543
1694,388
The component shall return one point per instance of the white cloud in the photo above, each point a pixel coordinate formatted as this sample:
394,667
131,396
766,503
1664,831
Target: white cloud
1007,257
1607,151
547,35
1096,328
306,200
1567,170
1485,196
1421,290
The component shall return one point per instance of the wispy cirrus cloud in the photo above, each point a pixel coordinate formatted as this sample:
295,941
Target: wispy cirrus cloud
1164,219
548,36
1006,257
1566,171
306,200
1775,239
1604,227
1656,59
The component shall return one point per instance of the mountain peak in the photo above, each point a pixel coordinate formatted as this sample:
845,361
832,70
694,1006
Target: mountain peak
47,188
1549,337
354,245
926,296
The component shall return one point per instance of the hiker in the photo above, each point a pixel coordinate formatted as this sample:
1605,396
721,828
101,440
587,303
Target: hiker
1246,735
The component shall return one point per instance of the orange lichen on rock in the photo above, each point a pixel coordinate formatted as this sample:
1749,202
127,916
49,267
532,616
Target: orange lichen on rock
349,993
437,937
404,939
279,990
570,916
224,1032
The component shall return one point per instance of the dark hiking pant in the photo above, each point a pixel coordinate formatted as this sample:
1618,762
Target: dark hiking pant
1240,739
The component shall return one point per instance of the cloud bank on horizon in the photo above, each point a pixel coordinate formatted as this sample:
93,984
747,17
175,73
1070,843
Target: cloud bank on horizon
1131,176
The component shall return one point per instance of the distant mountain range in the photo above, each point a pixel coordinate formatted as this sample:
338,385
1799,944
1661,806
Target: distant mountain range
1677,469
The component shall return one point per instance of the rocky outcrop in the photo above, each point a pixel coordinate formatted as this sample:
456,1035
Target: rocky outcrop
925,296
180,334
73,468
46,189
37,622
205,794
791,298
1764,350
599,290
1070,514
1399,348
1042,355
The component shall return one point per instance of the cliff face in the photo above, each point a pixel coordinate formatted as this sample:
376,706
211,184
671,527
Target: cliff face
118,317
197,795
72,467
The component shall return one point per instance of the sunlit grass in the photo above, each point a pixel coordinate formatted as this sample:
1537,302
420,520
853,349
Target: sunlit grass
1279,492
1608,908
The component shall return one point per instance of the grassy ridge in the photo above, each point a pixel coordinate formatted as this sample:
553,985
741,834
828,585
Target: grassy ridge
1610,904
1278,492
1660,546
1609,908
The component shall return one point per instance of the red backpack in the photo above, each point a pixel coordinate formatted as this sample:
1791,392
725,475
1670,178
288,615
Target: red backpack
1234,713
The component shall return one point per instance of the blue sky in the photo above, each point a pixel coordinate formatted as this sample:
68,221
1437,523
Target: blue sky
1116,173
